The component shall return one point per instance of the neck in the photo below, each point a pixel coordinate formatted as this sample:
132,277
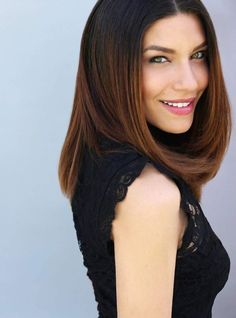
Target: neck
172,141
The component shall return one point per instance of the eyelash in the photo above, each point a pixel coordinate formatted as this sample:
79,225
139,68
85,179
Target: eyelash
152,60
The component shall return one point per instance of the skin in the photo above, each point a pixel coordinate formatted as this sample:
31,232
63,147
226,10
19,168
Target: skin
170,76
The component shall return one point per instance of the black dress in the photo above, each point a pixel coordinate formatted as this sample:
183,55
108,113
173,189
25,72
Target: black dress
202,263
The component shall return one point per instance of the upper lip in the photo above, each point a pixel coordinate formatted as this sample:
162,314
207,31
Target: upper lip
186,100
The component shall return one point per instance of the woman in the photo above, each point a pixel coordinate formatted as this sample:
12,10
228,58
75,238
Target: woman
150,126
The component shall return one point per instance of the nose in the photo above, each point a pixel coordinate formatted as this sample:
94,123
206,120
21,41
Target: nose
185,78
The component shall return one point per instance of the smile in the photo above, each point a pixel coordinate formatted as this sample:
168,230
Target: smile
184,102
179,108
177,104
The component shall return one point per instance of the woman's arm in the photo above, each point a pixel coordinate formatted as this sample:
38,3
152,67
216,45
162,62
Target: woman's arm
146,233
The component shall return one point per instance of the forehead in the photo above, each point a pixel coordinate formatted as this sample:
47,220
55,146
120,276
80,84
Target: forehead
177,29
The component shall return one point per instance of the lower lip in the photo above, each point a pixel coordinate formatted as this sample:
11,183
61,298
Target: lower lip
179,110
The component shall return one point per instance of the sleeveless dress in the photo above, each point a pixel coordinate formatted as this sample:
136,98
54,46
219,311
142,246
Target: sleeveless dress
202,263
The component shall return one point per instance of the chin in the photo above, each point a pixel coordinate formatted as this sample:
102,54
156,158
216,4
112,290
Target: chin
178,131
172,129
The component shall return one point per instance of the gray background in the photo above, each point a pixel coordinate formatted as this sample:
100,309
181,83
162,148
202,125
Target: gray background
41,268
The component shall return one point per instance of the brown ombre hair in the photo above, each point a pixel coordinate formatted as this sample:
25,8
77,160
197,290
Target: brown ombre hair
108,101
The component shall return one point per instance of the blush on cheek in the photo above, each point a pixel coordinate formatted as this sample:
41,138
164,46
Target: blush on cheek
204,78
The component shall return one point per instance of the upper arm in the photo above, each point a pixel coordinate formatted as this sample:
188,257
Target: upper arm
145,233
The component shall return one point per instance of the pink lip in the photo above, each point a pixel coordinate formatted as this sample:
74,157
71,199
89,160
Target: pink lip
180,110
186,100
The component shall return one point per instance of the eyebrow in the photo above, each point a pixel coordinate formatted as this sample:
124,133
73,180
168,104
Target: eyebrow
172,51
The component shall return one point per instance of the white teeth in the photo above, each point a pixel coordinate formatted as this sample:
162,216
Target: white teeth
176,104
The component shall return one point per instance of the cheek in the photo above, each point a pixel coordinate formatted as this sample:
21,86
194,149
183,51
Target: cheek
203,77
152,83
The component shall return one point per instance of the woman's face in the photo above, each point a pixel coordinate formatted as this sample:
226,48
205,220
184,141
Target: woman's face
174,69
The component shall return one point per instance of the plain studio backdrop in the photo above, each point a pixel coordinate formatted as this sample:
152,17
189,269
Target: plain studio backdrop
41,268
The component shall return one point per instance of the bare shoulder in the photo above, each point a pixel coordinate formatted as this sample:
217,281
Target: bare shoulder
156,185
145,232
152,191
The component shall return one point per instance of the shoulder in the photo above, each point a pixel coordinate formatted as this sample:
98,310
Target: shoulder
154,186
152,200
133,189
145,234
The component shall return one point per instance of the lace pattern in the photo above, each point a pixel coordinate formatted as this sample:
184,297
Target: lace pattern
198,278
117,190
192,242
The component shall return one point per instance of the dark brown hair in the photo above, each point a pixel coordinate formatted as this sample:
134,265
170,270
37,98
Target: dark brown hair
108,99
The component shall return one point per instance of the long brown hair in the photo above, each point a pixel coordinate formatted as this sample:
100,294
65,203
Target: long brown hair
108,101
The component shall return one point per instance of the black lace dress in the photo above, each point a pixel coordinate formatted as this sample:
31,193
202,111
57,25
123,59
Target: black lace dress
202,263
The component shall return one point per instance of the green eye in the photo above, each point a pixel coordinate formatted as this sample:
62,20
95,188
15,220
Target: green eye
200,55
158,59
